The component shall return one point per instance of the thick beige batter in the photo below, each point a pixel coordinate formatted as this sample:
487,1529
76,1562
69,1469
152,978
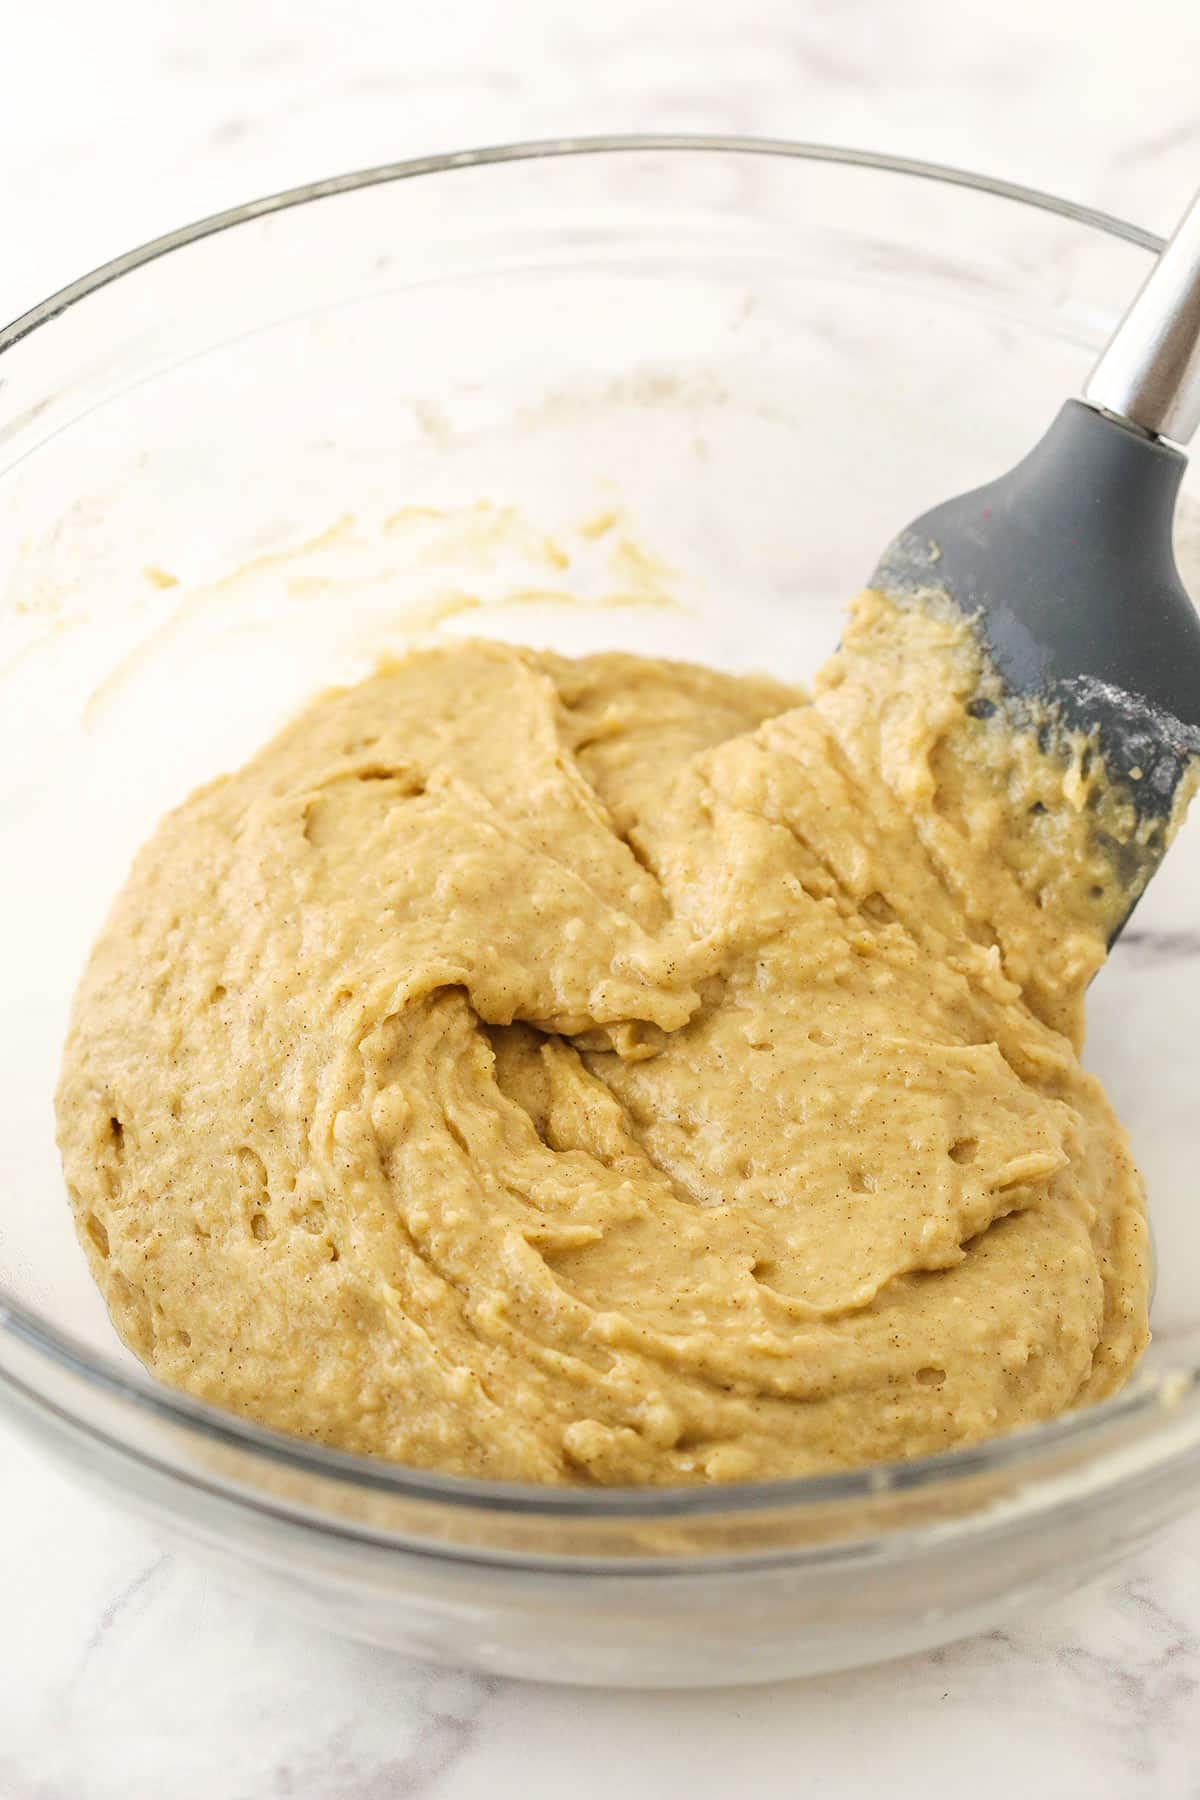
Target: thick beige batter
616,1070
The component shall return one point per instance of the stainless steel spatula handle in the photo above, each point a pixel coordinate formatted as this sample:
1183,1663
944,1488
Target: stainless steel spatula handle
1150,372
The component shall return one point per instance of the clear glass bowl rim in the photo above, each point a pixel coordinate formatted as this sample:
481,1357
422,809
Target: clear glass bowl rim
139,1390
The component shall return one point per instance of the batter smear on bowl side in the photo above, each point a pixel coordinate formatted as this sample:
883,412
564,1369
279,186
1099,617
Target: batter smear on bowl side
613,1070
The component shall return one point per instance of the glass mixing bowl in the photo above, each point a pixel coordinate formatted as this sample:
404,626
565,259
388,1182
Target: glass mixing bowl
671,395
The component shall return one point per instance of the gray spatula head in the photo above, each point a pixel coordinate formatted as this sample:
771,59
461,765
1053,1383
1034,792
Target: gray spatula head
1065,565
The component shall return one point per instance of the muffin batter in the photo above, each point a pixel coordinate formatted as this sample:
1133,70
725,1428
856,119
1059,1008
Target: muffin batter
614,1070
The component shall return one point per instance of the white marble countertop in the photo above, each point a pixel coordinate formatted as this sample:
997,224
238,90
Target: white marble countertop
126,1673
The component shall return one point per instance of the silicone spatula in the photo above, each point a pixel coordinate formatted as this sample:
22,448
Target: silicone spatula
1066,565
